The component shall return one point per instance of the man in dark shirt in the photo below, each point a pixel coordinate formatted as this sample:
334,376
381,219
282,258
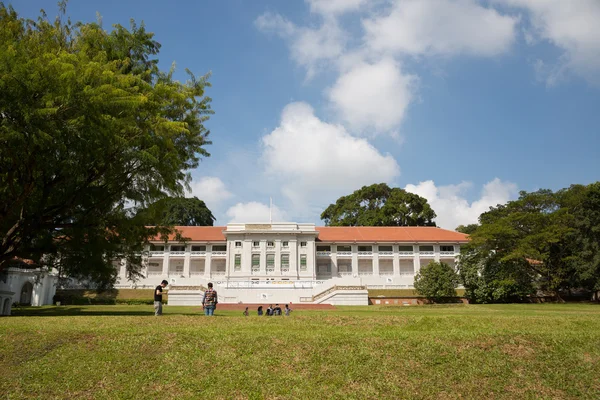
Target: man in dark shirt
277,310
158,292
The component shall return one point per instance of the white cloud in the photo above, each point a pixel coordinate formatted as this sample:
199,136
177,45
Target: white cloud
315,162
211,190
255,212
310,48
453,209
373,96
440,27
574,27
334,6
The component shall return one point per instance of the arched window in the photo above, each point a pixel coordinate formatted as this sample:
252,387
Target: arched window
26,292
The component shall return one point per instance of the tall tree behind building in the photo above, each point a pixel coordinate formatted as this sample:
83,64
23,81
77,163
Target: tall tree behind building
379,205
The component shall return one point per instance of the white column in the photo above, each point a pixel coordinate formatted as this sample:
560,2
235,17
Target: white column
263,257
416,264
334,266
396,260
187,261
207,261
354,248
246,257
123,271
436,252
166,253
294,268
311,257
278,257
375,260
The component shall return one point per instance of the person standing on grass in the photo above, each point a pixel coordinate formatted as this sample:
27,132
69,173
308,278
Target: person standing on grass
260,311
158,292
210,300
246,313
277,310
287,311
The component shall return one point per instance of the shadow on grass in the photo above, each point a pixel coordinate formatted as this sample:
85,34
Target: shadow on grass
63,311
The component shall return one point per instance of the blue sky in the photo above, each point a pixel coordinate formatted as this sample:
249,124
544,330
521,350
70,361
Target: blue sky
464,102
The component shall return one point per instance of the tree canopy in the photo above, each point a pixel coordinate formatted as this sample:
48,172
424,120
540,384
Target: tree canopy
88,126
544,240
185,211
379,205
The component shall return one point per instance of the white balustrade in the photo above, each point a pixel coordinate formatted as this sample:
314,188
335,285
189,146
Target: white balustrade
345,273
386,253
386,273
365,253
447,253
426,253
219,253
177,253
157,253
218,273
365,273
405,253
198,253
323,253
344,253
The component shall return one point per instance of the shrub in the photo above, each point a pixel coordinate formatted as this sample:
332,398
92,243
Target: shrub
436,281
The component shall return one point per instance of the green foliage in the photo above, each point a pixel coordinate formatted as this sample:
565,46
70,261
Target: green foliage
88,125
184,211
436,281
379,205
487,279
546,241
467,229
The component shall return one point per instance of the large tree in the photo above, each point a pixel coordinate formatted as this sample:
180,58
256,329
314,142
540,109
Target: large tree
88,125
531,233
379,205
186,211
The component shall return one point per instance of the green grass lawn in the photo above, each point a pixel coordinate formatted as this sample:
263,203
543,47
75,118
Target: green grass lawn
545,351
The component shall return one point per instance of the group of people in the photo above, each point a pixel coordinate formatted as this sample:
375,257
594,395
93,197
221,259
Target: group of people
210,300
272,311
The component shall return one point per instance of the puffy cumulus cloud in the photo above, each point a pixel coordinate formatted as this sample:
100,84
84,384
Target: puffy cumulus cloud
310,48
254,212
315,162
373,96
453,209
573,26
211,190
440,27
334,6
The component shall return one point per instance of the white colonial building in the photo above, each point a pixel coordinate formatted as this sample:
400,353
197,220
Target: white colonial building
26,286
291,262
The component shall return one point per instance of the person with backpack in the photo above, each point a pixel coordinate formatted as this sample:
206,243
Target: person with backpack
210,300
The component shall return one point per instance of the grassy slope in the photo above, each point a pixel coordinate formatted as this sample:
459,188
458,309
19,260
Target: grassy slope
492,351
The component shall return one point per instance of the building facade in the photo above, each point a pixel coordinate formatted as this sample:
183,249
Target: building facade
292,262
26,286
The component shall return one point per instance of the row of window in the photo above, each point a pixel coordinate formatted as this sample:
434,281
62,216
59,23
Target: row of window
270,261
154,247
385,248
302,244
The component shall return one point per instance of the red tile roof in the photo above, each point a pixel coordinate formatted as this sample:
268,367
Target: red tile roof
200,233
389,234
346,234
